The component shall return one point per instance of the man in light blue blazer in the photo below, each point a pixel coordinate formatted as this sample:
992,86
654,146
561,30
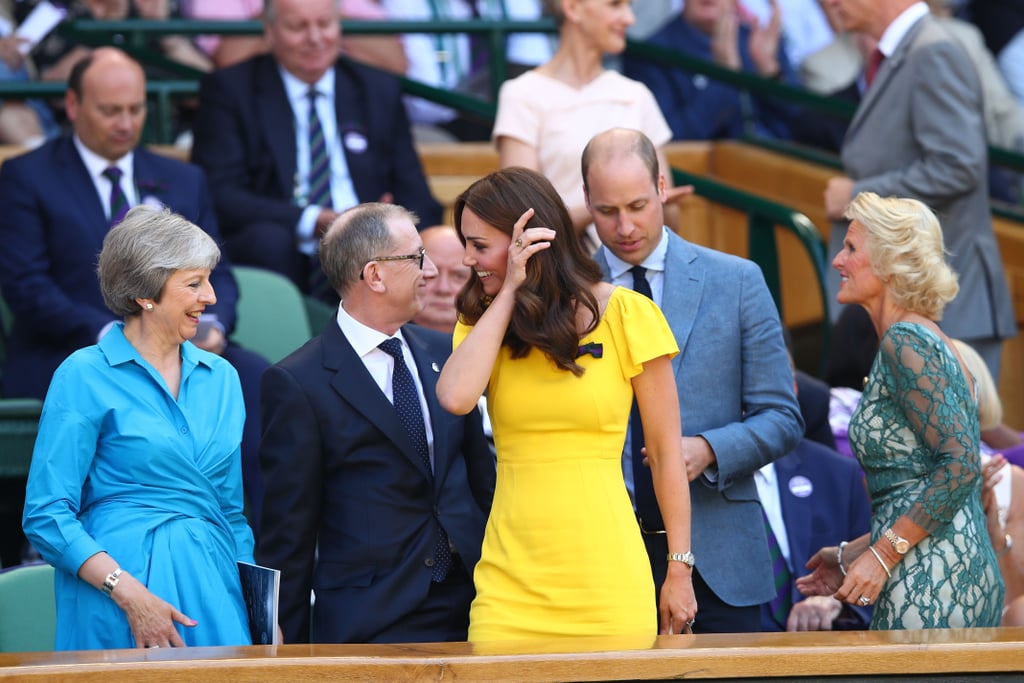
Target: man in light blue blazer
732,375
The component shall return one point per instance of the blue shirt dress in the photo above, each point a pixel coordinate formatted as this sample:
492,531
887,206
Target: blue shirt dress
120,465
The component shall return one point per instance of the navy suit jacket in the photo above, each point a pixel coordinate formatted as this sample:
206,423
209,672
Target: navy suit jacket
54,224
824,501
245,139
343,480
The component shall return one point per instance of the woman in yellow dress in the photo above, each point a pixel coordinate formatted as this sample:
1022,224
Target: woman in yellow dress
561,355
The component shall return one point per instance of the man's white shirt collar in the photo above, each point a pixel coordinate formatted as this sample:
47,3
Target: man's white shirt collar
655,260
298,91
894,33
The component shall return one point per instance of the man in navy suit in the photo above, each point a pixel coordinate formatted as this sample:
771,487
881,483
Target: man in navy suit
732,376
274,194
55,204
814,498
385,534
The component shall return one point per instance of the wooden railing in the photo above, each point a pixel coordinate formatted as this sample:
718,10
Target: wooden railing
991,654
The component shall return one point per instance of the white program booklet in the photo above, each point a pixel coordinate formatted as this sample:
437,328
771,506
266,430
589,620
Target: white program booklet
40,21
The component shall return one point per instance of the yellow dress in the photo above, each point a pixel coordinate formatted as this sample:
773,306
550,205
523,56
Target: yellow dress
562,553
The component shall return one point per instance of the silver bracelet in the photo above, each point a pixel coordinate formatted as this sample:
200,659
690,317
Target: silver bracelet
880,560
1007,547
839,556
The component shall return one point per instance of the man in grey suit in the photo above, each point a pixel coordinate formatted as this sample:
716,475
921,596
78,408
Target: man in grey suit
732,375
920,132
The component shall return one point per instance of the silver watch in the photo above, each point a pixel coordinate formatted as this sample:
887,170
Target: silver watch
686,558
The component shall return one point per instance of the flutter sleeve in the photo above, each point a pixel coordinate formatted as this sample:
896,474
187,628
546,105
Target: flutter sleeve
639,329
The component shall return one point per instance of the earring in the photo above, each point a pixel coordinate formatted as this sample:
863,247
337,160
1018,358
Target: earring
149,307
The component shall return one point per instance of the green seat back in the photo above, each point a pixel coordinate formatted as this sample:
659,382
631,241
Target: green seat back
28,618
272,317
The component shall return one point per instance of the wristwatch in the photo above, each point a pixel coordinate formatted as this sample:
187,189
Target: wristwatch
686,558
901,544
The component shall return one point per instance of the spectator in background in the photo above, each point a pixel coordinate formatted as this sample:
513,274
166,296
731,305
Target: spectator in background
383,525
811,497
1002,24
919,132
383,51
461,62
27,123
58,203
291,138
445,249
699,108
805,26
724,320
546,116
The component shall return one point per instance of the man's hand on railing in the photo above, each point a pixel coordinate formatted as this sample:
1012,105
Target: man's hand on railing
675,195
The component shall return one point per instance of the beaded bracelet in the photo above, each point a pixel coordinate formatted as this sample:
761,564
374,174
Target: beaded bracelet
839,556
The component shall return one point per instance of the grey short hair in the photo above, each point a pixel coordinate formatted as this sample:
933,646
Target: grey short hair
270,9
140,254
905,249
356,237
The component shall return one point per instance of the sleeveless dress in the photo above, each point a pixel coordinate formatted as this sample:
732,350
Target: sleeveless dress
915,433
562,554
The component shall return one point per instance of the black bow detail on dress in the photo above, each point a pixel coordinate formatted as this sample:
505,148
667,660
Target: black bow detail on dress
595,349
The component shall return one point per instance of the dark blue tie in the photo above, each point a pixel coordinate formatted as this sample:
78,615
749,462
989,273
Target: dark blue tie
643,484
410,414
118,199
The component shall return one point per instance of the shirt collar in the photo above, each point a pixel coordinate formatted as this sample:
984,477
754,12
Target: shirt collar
362,338
655,260
298,90
118,350
95,164
894,33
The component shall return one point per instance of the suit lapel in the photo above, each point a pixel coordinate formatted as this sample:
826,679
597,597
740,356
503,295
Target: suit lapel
886,73
684,287
275,114
74,180
349,104
355,385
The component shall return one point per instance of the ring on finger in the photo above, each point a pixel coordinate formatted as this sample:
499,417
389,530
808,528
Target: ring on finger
864,600
519,243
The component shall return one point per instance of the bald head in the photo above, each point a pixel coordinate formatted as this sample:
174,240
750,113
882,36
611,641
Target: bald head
106,102
616,145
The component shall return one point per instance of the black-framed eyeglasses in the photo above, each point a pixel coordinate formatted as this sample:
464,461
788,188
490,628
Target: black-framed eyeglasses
403,257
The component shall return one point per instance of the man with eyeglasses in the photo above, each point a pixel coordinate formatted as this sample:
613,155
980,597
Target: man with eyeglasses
376,497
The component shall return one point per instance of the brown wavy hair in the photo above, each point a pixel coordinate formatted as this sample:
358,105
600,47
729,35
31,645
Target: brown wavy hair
558,279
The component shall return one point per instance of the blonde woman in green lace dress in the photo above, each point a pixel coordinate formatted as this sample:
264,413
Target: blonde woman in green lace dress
927,562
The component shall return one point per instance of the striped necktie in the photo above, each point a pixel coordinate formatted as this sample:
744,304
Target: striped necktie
319,160
118,199
782,603
410,414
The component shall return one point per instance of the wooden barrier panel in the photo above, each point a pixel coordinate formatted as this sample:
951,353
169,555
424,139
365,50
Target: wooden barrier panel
960,654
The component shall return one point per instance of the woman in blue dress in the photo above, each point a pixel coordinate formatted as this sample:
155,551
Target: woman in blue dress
135,490
928,561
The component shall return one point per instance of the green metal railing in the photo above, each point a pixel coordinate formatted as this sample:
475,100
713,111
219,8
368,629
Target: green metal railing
763,215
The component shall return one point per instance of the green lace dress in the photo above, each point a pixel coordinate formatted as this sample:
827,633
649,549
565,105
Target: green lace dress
915,433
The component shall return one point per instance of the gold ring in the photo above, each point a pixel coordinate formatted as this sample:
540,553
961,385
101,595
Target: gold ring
519,243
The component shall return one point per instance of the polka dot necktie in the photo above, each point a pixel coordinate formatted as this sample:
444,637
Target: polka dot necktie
410,414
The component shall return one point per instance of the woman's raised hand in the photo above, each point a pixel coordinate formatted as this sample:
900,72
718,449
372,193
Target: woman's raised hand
525,243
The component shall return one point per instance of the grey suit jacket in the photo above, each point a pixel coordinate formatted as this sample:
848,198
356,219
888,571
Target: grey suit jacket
919,132
735,390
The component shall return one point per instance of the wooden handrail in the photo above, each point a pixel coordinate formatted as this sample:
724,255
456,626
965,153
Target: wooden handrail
978,654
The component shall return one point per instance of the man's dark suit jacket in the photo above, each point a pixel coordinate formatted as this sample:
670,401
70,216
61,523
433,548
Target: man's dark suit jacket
245,140
54,224
343,480
824,502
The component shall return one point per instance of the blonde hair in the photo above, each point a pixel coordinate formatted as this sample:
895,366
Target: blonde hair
904,244
990,407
